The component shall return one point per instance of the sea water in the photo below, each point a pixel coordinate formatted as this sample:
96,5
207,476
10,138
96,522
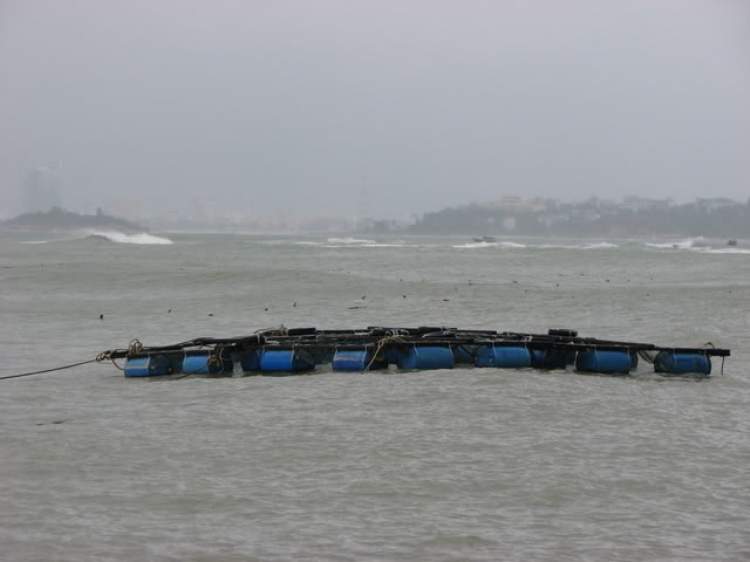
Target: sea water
462,464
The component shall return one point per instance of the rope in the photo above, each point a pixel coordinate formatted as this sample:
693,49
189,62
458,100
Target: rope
135,347
381,344
647,356
51,370
280,331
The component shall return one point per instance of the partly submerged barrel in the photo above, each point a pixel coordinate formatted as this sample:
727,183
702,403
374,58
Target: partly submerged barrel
250,360
425,358
680,363
149,366
205,363
600,361
357,360
504,357
281,361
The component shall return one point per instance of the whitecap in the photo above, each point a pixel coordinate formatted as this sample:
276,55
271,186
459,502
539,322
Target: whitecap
707,250
474,245
140,238
598,246
349,241
685,244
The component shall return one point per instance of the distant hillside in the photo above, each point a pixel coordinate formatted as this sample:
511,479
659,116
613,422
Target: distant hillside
57,218
718,218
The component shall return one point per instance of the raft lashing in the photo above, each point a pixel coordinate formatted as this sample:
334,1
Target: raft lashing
282,352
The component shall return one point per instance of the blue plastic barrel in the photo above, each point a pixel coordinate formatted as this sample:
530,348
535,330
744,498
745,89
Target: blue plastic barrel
201,363
425,358
505,357
148,366
356,360
250,360
285,361
598,361
682,363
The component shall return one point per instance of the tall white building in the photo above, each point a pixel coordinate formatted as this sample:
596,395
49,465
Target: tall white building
42,188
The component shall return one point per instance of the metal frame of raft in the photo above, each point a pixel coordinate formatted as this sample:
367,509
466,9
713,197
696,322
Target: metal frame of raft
282,351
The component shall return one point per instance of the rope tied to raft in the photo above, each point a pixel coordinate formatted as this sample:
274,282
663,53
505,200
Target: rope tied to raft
52,370
377,354
647,356
135,347
270,332
108,356
710,345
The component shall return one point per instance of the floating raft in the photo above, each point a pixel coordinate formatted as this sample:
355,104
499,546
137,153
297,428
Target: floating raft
280,352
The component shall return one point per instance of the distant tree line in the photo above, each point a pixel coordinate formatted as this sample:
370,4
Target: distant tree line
590,219
57,217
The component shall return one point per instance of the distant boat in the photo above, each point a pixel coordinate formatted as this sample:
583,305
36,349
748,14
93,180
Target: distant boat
485,239
732,242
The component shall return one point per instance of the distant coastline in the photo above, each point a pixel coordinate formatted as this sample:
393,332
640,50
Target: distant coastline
633,217
58,218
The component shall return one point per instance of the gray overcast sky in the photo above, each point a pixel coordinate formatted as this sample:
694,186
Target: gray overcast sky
265,105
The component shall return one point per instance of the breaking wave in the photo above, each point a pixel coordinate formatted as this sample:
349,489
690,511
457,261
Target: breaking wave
591,246
363,243
352,241
707,250
141,238
685,244
599,246
484,244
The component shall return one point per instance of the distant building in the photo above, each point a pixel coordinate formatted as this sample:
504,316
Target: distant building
42,188
711,204
634,203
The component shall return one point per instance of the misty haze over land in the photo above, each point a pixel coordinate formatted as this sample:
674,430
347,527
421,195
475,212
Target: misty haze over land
381,108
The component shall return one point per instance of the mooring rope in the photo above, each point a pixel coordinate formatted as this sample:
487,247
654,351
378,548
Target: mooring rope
647,356
379,348
97,360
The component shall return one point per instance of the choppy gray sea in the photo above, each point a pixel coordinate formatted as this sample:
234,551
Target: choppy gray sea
467,464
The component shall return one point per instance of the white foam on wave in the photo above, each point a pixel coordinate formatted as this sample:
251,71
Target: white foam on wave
364,243
475,245
141,238
707,250
350,241
599,246
590,246
373,245
685,244
35,242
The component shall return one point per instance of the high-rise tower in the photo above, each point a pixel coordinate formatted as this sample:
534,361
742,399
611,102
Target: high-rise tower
42,188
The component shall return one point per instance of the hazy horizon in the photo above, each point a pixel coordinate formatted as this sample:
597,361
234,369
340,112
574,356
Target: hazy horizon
294,107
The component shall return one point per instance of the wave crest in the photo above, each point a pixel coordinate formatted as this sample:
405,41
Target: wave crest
140,238
685,244
350,240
